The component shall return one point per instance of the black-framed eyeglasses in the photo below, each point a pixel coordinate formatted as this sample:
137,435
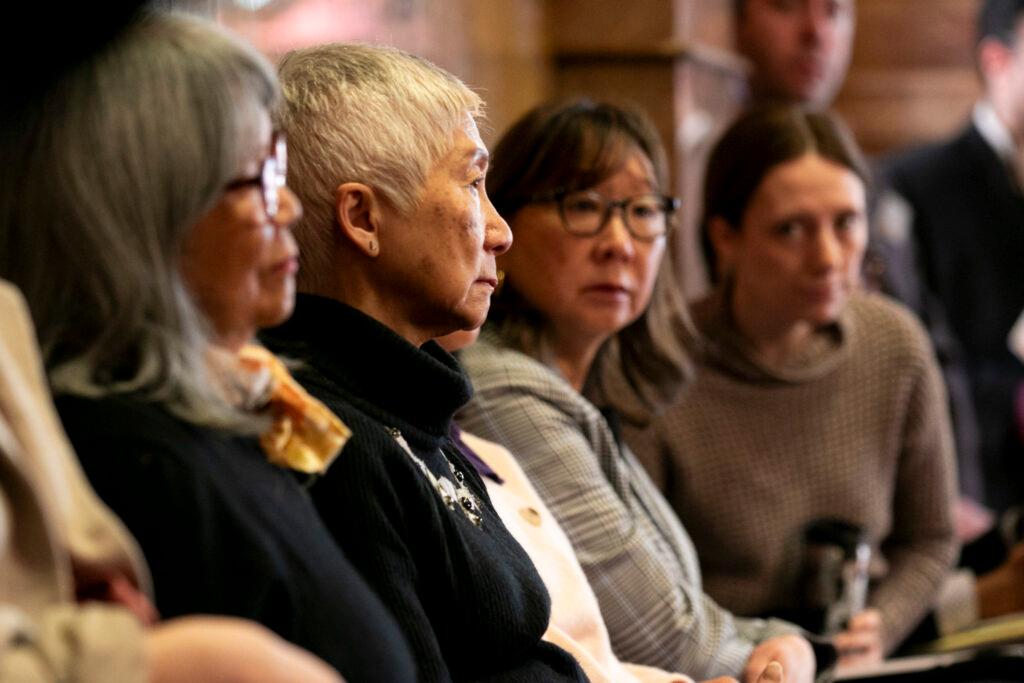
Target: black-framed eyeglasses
586,213
272,175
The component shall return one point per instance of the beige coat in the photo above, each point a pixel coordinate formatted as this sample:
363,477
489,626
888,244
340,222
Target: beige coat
576,623
53,527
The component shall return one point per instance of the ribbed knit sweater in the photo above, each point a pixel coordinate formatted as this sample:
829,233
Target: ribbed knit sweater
856,429
467,597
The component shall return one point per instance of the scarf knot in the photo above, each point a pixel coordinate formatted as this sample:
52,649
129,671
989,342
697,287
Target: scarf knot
304,434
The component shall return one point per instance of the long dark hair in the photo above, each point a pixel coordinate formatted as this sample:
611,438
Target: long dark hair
567,146
756,143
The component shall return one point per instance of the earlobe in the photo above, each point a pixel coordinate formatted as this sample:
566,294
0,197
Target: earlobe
356,208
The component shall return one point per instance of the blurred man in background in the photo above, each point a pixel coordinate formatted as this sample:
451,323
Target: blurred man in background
951,231
798,51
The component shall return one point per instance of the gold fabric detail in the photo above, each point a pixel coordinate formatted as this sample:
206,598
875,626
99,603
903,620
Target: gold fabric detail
304,435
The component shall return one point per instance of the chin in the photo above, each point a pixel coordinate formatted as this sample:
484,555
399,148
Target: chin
271,316
608,325
470,319
826,315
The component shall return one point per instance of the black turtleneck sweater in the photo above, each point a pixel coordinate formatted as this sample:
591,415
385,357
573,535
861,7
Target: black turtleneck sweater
468,598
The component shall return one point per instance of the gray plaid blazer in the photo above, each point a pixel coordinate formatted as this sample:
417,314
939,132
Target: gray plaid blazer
636,554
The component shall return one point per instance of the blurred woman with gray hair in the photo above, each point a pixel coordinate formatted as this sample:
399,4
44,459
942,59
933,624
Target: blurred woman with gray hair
149,229
399,246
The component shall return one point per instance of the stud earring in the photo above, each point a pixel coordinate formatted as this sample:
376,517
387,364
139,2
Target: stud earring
372,246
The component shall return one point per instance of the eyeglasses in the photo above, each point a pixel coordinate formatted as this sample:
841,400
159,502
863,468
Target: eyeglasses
272,175
585,214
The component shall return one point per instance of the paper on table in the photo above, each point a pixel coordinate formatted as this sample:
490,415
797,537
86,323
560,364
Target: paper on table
986,633
985,664
903,665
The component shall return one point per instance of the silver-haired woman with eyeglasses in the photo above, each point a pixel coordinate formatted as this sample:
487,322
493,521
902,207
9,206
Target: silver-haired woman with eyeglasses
151,238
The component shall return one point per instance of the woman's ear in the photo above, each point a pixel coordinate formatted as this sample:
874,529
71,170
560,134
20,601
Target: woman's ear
723,239
357,209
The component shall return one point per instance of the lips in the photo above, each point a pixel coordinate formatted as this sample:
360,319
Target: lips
286,266
810,69
491,282
825,293
609,290
609,286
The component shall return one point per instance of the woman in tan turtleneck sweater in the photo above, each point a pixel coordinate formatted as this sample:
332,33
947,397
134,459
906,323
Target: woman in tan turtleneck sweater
813,399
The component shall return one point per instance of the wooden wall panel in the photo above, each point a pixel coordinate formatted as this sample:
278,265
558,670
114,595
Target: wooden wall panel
497,47
707,23
911,33
642,53
912,76
508,61
611,25
648,82
891,109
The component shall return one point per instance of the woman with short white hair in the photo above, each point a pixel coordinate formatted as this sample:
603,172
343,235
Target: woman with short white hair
399,247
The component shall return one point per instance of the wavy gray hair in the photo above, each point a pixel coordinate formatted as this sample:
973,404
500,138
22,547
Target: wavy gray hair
108,172
368,114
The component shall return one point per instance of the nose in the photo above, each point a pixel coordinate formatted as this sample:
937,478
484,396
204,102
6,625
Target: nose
827,251
497,234
289,208
815,22
615,240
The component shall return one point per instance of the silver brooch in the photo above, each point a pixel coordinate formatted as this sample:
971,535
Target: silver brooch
453,494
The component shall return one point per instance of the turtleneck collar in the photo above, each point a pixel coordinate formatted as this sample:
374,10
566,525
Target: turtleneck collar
724,346
412,389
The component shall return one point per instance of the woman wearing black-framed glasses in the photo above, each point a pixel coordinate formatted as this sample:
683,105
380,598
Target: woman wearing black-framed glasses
581,185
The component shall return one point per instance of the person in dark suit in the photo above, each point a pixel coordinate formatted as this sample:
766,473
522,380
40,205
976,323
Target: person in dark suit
950,232
797,52
951,228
